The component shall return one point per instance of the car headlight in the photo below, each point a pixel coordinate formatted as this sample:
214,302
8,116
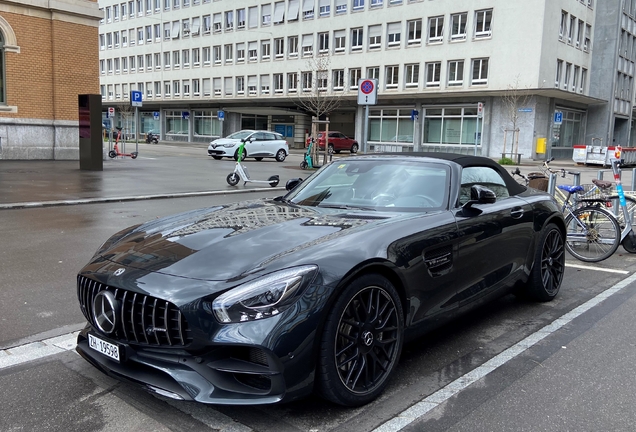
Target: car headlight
263,297
228,145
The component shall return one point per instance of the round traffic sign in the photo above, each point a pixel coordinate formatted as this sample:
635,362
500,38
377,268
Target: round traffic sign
111,110
367,87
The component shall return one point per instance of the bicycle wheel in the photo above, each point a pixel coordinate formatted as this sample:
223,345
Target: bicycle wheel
618,211
593,234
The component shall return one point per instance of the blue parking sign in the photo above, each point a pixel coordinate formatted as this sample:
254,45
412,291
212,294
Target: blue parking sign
221,115
558,117
185,115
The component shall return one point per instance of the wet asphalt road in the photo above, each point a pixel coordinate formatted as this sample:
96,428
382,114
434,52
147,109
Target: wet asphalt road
579,378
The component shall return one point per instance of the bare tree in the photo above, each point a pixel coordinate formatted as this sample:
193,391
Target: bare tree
315,98
127,113
513,99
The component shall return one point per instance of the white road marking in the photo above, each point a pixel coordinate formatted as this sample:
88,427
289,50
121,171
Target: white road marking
431,402
601,269
36,350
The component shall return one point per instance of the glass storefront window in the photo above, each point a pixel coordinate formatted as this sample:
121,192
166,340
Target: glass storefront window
206,125
148,123
175,123
391,125
453,126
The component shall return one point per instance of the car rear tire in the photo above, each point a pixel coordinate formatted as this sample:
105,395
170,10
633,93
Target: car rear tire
217,157
549,265
281,155
361,342
354,148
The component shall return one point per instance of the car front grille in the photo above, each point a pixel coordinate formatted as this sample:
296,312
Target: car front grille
141,319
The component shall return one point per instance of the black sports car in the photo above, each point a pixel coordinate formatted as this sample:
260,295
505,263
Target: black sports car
268,300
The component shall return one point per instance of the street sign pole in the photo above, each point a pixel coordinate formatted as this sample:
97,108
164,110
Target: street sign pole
366,129
137,129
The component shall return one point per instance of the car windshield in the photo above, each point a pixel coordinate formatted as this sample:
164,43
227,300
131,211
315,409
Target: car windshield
377,184
240,134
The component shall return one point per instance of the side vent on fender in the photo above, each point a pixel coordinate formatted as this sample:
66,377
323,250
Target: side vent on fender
439,261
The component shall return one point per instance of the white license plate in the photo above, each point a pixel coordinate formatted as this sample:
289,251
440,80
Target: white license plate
106,348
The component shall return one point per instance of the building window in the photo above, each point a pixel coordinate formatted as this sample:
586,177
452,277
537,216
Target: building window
458,26
216,54
564,25
279,47
229,20
292,82
339,41
185,57
375,36
279,12
435,29
166,60
355,75
266,50
338,79
322,78
206,56
391,125
307,81
308,45
480,71
240,19
157,60
411,75
229,53
341,7
373,72
414,29
393,32
566,78
278,83
559,71
392,74
575,77
433,71
176,88
357,39
117,65
176,59
588,35
266,11
583,80
325,8
240,52
323,42
252,51
227,86
196,56
376,3
579,33
292,46
308,9
483,23
217,24
185,85
455,73
571,29
357,5
452,126
207,24
240,85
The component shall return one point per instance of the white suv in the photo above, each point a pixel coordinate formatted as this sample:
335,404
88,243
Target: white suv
258,144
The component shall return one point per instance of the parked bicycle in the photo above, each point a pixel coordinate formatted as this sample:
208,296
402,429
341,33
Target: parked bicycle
594,233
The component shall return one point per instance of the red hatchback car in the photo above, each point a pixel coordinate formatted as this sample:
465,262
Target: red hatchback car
337,142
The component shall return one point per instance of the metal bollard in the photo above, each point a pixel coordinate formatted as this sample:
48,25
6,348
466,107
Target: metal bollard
552,183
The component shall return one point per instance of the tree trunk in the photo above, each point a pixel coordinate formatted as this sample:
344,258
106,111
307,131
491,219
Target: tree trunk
324,158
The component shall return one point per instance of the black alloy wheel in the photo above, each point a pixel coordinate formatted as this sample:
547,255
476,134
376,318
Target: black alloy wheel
549,265
354,148
362,342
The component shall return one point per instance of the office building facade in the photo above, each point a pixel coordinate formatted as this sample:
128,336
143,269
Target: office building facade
486,76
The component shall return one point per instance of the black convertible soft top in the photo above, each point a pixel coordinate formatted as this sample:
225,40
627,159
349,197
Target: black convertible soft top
514,188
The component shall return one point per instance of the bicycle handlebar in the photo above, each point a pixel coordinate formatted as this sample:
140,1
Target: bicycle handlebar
562,171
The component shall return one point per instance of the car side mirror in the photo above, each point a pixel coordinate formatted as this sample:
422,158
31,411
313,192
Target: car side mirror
292,183
480,195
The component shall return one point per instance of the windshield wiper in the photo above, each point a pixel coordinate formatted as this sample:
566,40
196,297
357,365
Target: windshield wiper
345,207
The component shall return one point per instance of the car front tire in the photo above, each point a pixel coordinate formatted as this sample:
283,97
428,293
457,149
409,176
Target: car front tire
361,342
236,155
549,265
354,148
217,157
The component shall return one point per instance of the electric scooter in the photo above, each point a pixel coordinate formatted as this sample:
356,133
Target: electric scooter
307,162
115,152
241,173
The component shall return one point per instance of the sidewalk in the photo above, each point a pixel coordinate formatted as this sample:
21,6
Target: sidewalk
45,181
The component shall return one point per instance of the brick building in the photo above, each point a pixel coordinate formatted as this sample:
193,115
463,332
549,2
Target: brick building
48,56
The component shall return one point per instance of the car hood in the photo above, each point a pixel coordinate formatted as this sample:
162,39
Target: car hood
222,141
236,240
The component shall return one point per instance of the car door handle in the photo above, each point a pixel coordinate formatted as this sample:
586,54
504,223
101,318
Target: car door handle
516,212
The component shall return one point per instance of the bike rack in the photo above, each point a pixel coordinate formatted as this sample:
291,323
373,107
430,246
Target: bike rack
600,173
